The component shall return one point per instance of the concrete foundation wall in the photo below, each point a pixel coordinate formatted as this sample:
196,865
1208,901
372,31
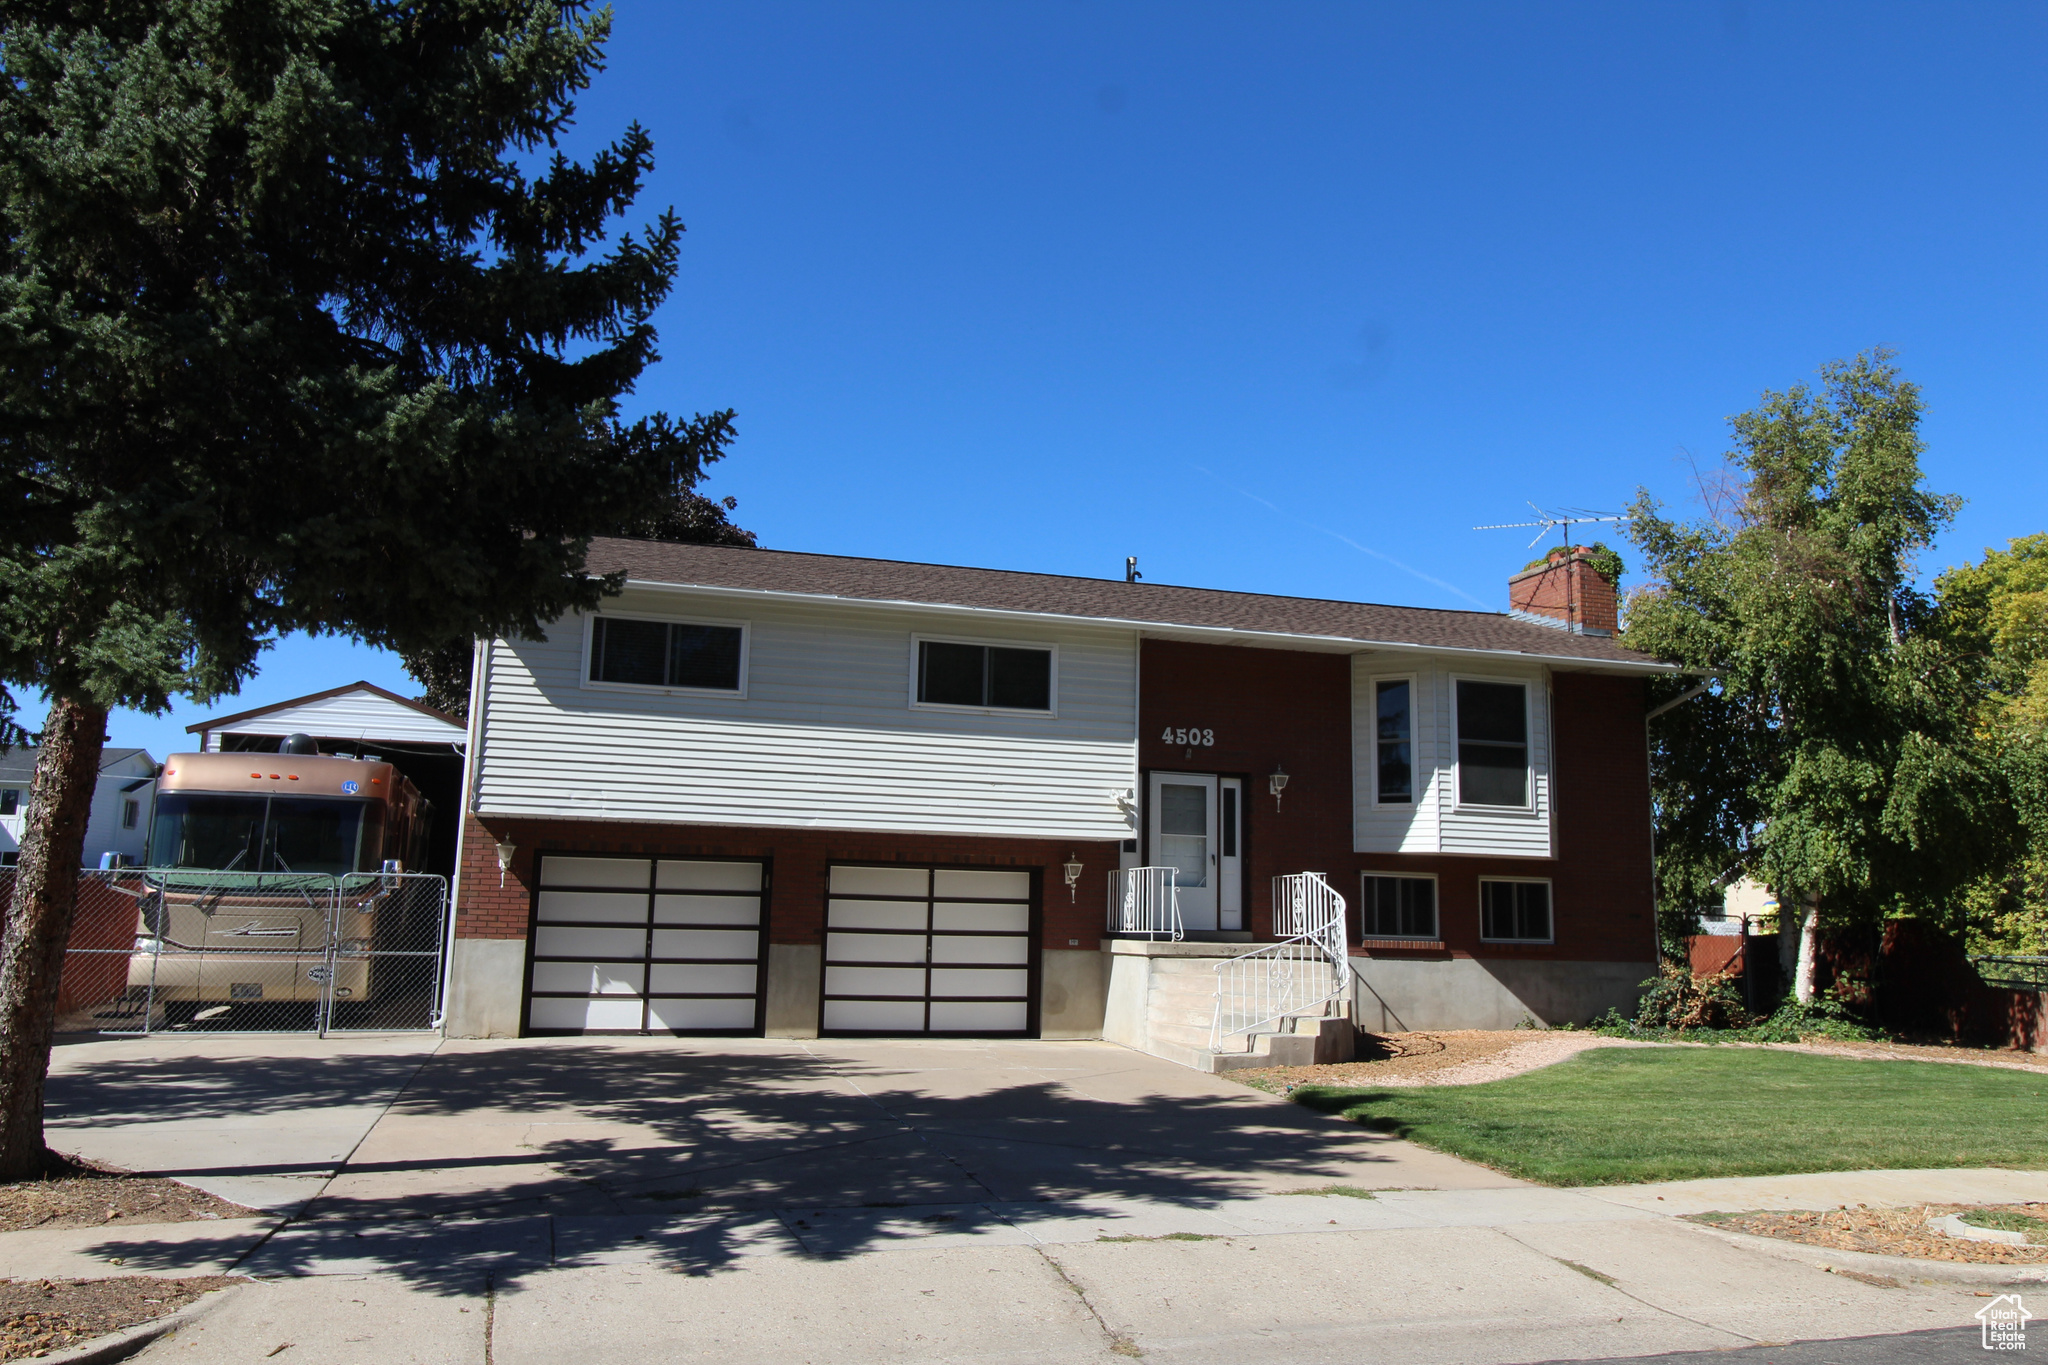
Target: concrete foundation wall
486,984
1072,994
1398,995
795,971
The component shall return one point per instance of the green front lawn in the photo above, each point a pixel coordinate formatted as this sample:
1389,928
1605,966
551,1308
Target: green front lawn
1621,1115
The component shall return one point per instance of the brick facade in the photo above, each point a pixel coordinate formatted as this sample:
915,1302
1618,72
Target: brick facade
798,860
1272,708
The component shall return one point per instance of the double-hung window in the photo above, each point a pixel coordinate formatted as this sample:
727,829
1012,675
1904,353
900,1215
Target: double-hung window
1397,907
1514,911
691,655
1393,742
986,677
1493,744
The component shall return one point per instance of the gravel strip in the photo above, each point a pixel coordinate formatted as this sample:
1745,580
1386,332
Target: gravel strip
1885,1232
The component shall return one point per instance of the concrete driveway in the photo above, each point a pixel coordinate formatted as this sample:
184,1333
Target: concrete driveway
854,1200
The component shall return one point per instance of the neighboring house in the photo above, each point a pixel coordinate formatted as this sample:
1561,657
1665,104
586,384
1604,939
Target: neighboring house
119,824
764,791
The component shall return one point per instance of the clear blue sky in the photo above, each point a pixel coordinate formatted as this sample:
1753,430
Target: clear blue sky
1286,297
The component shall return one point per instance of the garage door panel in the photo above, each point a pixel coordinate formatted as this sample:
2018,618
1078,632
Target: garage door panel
875,1016
728,944
985,950
874,947
691,965
625,872
702,978
848,880
572,907
693,876
969,981
607,1014
697,1016
707,909
1007,886
589,978
908,981
876,914
560,941
954,917
979,1017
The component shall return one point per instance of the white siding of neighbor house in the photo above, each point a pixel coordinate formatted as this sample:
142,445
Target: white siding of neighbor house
353,715
1437,823
824,736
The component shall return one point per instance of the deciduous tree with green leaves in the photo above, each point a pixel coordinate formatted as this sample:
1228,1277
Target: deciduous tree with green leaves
307,325
1832,755
1995,612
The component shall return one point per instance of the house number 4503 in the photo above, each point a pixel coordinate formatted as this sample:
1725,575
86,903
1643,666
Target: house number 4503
1206,738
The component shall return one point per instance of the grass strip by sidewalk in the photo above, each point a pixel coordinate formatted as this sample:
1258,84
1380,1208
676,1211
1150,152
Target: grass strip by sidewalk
1622,1115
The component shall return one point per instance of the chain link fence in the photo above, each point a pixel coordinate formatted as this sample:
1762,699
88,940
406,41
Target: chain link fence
169,950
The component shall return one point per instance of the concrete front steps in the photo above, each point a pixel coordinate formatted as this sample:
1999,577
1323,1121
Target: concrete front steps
1162,1001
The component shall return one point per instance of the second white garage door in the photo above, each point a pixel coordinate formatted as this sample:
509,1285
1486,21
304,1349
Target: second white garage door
928,950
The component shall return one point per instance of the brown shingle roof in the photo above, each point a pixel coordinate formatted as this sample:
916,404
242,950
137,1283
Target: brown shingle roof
1160,604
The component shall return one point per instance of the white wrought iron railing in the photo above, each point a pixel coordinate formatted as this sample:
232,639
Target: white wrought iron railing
1145,900
1301,976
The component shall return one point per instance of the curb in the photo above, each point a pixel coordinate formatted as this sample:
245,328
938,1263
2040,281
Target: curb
1910,1268
126,1342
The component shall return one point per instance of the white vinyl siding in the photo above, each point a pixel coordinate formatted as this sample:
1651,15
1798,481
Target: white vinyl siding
1437,823
351,715
825,736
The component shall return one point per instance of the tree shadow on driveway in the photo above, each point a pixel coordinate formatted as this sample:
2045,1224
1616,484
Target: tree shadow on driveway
693,1156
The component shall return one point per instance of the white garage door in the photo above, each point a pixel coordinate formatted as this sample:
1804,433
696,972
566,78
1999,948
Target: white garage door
640,945
927,950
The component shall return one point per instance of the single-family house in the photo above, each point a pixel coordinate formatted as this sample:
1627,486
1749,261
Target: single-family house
794,794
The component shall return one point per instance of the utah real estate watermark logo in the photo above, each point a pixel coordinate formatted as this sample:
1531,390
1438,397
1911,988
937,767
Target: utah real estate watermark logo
2005,1321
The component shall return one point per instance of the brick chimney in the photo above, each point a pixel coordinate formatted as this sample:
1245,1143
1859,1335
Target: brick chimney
1566,591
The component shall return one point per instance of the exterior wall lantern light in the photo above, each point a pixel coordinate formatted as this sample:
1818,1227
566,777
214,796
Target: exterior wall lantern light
1072,867
506,849
1276,782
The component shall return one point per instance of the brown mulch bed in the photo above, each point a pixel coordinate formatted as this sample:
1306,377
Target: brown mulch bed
1886,1232
85,1194
1391,1054
41,1316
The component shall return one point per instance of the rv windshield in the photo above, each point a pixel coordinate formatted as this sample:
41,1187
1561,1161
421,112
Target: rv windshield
260,834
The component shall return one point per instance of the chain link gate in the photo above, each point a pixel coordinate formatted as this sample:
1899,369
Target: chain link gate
167,950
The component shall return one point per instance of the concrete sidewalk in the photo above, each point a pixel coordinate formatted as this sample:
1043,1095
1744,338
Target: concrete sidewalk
932,1200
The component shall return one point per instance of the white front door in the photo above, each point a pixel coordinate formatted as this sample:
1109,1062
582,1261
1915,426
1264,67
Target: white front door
1183,830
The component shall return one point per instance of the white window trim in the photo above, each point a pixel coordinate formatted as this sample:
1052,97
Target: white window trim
1418,784
1436,903
1459,804
1052,711
1536,881
589,684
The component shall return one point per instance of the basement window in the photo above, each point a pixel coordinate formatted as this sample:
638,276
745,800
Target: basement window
691,656
983,677
1514,911
1397,907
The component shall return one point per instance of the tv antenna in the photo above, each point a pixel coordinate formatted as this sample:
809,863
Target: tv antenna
1560,519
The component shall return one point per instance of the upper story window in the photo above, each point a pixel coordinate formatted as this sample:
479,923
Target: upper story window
999,677
668,654
131,812
1493,744
1393,743
10,801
